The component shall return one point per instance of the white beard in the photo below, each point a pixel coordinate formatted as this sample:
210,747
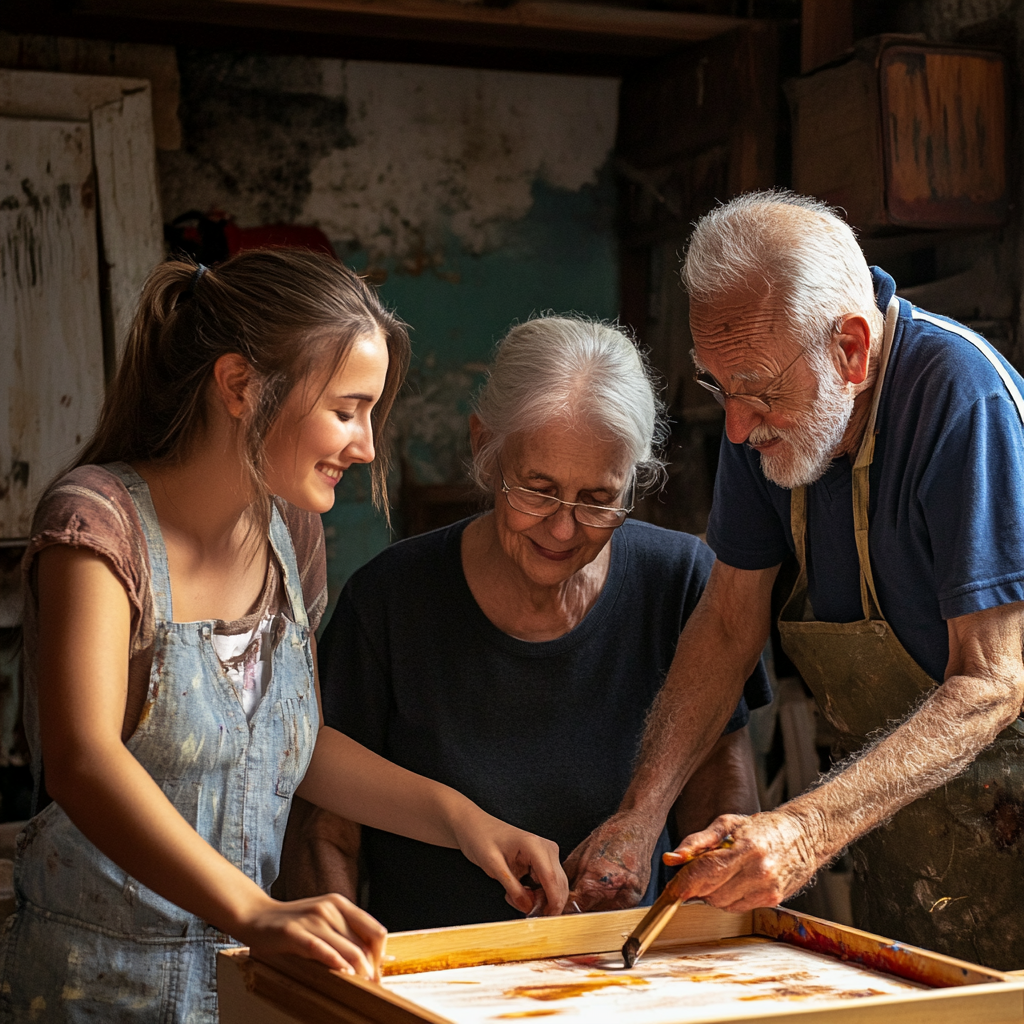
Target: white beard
806,450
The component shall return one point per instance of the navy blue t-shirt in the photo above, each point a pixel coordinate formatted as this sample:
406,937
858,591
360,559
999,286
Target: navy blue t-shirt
543,735
946,509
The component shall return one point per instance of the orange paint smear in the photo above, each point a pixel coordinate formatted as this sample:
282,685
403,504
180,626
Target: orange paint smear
571,989
527,1013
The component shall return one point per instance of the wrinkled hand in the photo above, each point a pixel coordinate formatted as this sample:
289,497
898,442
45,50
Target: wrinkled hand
771,859
509,854
329,928
611,868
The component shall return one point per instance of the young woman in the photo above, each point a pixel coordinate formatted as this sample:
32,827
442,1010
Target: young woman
174,579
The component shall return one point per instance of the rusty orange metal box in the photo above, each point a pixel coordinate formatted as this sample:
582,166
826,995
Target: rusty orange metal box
905,134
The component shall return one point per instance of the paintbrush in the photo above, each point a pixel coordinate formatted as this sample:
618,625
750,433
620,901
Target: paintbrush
662,911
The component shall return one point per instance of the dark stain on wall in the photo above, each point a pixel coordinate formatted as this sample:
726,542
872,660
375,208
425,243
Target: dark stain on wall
251,142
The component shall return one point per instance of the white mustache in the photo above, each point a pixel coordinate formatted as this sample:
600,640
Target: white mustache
762,435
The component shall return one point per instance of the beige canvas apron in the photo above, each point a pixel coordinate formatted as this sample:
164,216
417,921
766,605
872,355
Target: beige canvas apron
947,872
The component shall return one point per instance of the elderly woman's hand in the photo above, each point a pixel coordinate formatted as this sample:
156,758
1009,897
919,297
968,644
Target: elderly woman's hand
611,868
508,854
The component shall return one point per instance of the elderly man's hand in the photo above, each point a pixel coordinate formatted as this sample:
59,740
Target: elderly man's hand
610,869
771,859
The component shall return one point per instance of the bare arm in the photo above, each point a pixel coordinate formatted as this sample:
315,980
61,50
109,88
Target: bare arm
724,784
379,793
717,651
83,679
321,854
777,852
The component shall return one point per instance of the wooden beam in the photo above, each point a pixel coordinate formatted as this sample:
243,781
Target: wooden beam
544,25
549,15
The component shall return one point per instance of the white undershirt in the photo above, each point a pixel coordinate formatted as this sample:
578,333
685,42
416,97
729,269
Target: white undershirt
246,659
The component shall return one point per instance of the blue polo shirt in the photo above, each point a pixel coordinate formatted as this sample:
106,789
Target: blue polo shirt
946,509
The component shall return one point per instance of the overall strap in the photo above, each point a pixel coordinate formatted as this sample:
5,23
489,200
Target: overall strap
861,473
281,540
159,575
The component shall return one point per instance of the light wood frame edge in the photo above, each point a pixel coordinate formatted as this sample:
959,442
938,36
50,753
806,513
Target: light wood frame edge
540,938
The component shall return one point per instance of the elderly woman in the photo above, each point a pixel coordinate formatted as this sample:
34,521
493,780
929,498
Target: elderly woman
515,655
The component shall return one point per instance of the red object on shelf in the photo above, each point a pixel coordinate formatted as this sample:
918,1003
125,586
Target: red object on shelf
276,236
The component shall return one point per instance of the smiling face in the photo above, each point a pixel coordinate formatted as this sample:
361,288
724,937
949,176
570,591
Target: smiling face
570,463
746,344
325,428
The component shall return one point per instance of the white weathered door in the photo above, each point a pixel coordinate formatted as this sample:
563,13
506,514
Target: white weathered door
78,194
51,330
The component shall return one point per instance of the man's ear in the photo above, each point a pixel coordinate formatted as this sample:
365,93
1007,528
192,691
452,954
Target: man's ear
231,378
855,349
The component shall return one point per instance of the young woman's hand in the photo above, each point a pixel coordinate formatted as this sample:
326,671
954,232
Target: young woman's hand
509,854
328,928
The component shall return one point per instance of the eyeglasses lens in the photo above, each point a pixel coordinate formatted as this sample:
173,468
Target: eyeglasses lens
544,505
706,381
598,516
531,501
709,383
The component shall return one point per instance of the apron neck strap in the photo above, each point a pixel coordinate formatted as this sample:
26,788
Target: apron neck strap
870,604
867,445
861,485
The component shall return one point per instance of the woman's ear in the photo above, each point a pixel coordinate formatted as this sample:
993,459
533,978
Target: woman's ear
479,435
231,377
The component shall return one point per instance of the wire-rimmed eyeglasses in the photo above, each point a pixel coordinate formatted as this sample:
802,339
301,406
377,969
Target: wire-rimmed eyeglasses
760,403
533,503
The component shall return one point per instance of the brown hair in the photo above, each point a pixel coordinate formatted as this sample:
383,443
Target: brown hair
287,312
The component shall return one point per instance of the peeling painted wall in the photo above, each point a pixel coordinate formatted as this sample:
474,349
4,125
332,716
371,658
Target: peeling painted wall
474,198
441,153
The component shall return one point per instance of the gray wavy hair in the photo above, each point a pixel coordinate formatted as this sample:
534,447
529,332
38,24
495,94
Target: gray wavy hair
795,247
585,371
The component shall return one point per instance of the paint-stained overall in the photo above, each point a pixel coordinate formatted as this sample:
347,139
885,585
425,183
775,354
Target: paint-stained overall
114,949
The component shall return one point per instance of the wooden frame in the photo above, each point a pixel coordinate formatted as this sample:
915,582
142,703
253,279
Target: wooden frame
283,990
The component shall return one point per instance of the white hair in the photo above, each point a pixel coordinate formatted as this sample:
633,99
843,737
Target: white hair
795,248
582,371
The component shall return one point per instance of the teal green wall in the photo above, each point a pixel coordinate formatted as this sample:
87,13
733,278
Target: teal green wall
562,256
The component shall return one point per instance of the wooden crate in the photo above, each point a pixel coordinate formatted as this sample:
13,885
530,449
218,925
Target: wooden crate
906,134
284,990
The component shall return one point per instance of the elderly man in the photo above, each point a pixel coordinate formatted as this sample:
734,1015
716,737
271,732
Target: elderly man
883,447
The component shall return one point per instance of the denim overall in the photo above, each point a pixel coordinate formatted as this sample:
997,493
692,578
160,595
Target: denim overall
90,943
939,874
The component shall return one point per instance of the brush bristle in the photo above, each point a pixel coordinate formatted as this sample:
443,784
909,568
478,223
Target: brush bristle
630,951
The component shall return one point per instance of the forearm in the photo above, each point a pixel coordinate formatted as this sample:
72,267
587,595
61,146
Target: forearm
724,784
117,805
320,854
717,652
932,746
380,794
